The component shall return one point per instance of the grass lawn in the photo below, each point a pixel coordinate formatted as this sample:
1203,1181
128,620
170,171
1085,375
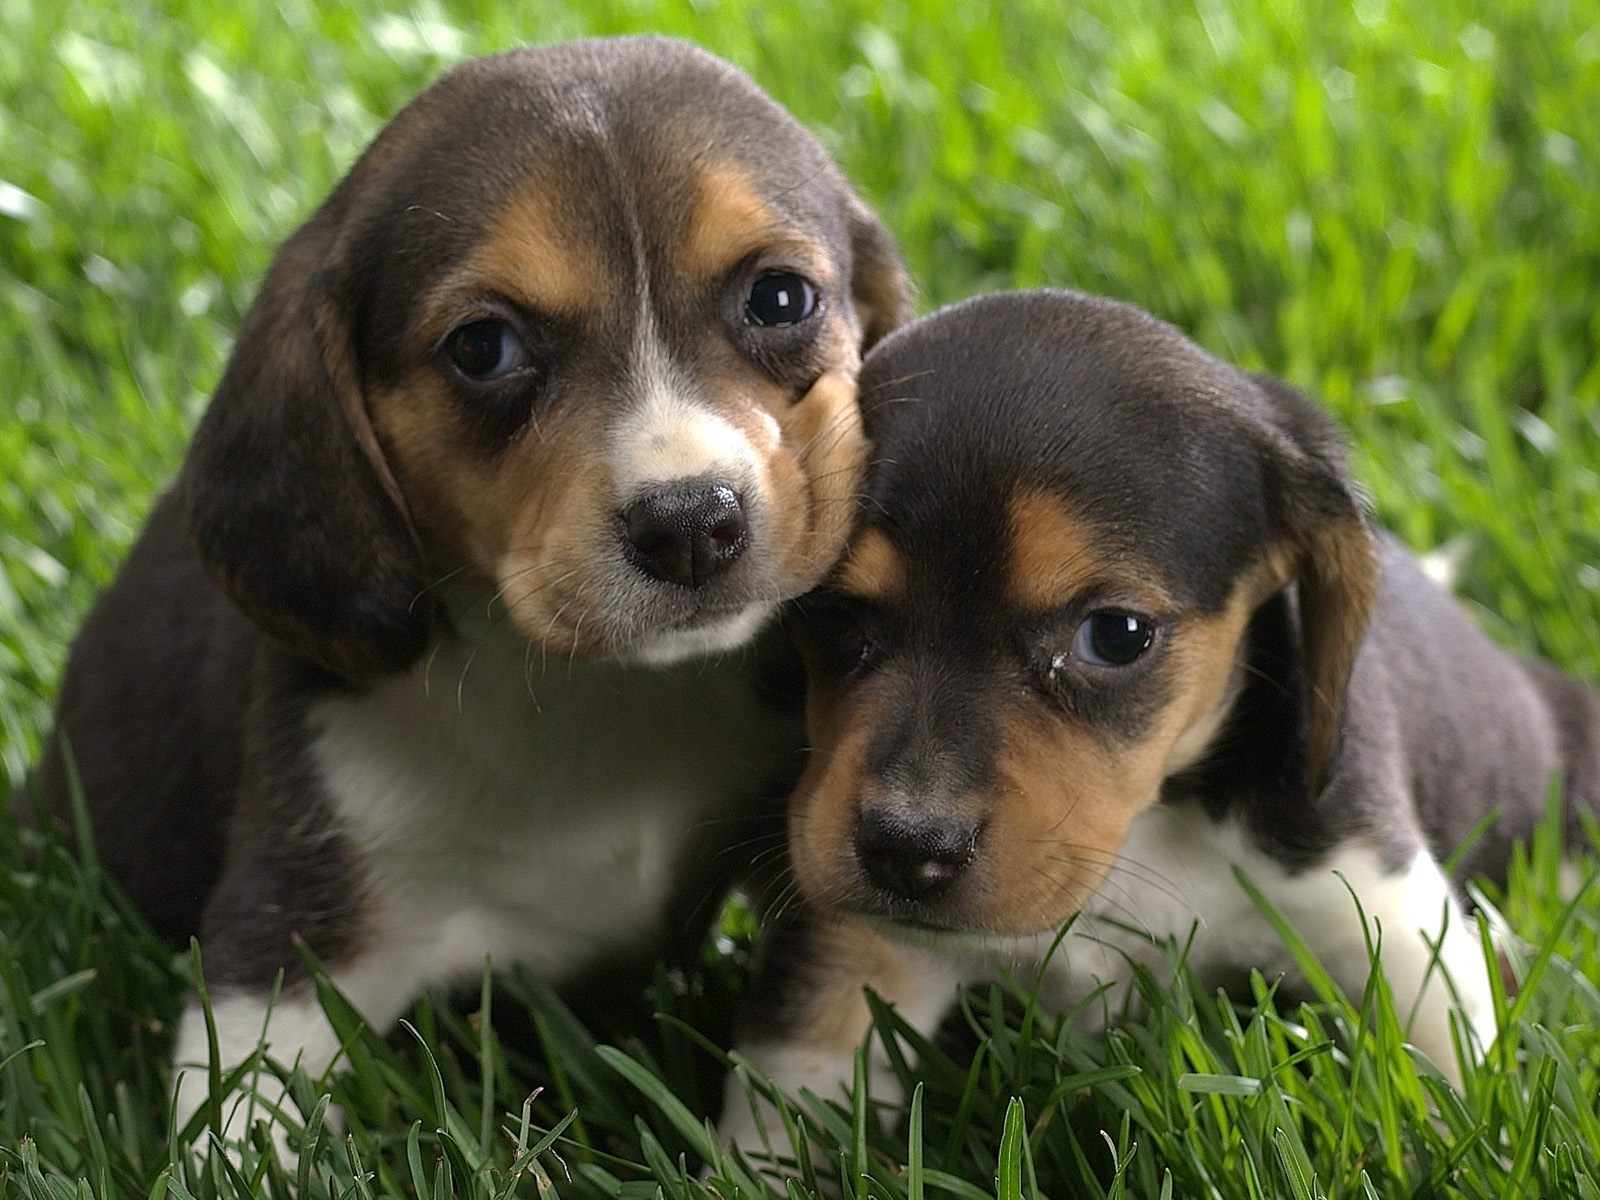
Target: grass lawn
1395,206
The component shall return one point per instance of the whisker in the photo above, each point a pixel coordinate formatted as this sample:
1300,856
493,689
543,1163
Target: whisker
888,383
461,683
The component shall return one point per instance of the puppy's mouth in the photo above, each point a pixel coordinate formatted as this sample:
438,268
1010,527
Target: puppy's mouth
910,918
916,923
920,926
708,629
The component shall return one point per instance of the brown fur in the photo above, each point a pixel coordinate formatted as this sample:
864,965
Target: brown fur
1050,833
1055,554
1338,587
873,568
531,253
729,221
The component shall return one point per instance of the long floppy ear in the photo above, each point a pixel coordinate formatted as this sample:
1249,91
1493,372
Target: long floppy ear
291,506
880,287
1335,557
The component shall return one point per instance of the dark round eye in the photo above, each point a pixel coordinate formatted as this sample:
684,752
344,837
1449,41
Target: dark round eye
780,298
1112,638
486,349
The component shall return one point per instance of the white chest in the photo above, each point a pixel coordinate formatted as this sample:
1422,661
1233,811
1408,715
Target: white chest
1174,881
500,807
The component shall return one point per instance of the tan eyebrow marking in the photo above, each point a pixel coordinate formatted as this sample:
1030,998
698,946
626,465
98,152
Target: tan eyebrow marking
872,567
528,256
1052,555
728,221
1055,555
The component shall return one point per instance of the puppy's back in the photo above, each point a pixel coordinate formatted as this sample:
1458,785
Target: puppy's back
1480,730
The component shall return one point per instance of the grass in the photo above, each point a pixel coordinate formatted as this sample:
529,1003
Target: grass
1395,206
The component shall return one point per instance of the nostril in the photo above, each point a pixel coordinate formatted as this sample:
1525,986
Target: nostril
916,857
728,531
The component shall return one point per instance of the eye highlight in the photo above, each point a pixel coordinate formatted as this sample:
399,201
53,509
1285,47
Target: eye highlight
485,350
780,298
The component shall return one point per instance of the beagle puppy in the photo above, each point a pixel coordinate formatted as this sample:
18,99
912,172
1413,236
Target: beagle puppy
1112,625
426,659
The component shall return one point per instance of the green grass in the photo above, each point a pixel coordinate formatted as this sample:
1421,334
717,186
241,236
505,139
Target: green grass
1396,207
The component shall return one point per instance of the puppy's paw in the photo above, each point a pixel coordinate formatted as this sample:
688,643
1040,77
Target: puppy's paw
299,1034
265,1103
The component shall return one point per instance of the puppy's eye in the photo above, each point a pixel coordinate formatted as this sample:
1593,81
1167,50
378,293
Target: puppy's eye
840,641
1110,637
780,298
486,349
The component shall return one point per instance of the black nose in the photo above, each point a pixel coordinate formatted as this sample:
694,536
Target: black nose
916,857
686,534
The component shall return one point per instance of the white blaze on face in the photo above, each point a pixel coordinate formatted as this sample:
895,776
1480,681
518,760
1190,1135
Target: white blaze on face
671,436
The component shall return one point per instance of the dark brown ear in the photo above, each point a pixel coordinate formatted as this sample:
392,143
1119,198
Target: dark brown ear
879,285
1329,540
291,506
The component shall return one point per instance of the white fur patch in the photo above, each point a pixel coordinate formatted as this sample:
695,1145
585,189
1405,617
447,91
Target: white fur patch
534,813
1177,877
507,809
669,435
682,645
669,438
296,1033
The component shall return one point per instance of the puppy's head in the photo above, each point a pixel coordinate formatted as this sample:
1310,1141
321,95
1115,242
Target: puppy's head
581,329
1072,518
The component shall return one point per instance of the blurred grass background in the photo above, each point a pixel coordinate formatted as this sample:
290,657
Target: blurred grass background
1396,206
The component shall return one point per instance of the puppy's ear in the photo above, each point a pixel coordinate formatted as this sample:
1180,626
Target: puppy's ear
291,506
880,288
1332,555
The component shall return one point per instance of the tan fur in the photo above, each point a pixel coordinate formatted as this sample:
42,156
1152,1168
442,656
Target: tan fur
1058,814
527,255
1053,551
1212,650
728,222
814,479
1056,555
846,958
527,518
872,569
1338,588
826,799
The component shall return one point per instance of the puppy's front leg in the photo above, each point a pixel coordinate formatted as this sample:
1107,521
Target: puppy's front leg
292,1028
1428,947
807,1015
1432,958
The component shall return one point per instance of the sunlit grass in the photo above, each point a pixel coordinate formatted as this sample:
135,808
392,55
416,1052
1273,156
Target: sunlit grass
1395,206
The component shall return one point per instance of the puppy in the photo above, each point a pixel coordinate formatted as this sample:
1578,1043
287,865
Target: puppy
1112,625
422,662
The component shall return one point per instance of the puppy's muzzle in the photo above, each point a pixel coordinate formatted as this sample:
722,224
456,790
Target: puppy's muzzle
915,857
686,534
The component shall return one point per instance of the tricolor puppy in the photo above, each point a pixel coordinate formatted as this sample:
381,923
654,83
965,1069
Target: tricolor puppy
1113,623
422,660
